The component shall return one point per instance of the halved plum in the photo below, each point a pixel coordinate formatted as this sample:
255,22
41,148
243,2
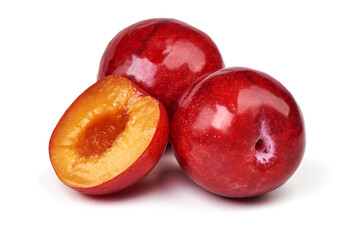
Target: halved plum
110,137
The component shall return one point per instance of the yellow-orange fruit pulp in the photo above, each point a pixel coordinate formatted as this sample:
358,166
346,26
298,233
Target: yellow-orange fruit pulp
103,133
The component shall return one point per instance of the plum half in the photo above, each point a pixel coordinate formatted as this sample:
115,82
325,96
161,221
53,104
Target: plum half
110,137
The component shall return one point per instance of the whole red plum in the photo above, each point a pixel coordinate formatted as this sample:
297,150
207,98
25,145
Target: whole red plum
238,133
162,56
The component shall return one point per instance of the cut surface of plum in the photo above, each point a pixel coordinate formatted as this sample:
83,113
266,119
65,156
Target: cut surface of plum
104,131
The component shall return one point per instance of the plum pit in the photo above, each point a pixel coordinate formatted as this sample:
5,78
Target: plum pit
101,133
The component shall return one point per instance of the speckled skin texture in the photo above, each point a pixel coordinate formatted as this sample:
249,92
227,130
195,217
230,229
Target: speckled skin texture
238,133
162,56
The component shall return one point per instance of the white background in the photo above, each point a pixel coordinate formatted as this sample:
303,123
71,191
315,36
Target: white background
49,54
